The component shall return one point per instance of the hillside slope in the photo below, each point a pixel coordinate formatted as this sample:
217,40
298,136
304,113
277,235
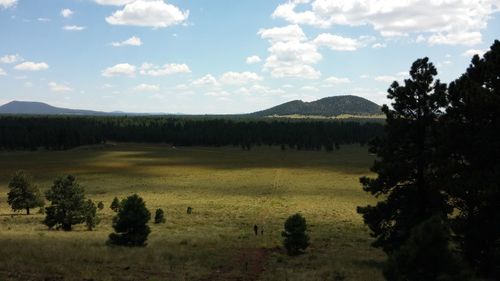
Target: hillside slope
330,106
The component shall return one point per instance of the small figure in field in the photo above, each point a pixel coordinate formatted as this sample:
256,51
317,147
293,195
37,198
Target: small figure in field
256,230
189,210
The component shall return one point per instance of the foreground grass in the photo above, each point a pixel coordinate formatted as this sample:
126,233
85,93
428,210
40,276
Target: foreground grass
229,190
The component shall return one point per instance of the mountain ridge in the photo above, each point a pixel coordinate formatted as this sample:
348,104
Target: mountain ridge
329,106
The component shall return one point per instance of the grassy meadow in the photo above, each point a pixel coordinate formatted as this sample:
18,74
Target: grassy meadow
229,190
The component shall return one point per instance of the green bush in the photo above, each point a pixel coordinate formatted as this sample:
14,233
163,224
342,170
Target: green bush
115,205
159,216
130,224
296,239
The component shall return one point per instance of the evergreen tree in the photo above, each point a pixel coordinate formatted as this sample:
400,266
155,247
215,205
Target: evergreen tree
130,224
296,240
426,255
90,211
159,216
100,205
115,205
67,204
472,166
405,170
23,194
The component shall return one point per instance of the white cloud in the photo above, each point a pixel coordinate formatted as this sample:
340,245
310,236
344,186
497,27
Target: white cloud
2,72
253,60
7,3
11,58
59,88
337,43
217,94
385,78
149,13
74,28
290,55
66,13
287,33
472,52
113,2
207,80
379,45
337,80
132,41
239,78
445,21
43,19
147,88
32,66
166,69
124,69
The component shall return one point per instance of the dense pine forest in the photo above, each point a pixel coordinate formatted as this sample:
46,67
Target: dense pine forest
65,132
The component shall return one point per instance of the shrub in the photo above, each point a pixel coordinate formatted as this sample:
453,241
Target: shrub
115,205
130,224
426,255
159,216
296,239
100,205
91,219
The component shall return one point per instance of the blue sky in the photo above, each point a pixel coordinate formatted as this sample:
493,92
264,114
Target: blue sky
226,56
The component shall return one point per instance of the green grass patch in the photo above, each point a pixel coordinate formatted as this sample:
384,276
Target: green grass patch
229,190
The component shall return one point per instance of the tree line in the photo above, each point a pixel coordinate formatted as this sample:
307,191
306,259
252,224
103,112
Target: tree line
65,132
438,175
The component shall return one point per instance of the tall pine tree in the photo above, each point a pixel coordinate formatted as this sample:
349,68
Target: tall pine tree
406,181
472,170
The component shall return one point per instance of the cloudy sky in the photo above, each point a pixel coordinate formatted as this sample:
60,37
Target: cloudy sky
227,56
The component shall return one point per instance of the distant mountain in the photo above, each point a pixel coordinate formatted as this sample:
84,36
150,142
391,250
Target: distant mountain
28,107
331,106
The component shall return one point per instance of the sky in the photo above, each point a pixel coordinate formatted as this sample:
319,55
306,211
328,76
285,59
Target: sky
227,56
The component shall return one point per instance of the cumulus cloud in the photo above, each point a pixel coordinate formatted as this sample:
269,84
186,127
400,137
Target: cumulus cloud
32,66
7,3
59,88
132,41
446,22
207,80
337,43
385,78
253,60
286,33
472,52
290,54
147,88
66,13
239,78
2,72
148,13
166,69
121,69
379,45
10,58
74,28
337,80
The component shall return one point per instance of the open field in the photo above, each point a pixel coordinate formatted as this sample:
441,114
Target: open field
229,190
